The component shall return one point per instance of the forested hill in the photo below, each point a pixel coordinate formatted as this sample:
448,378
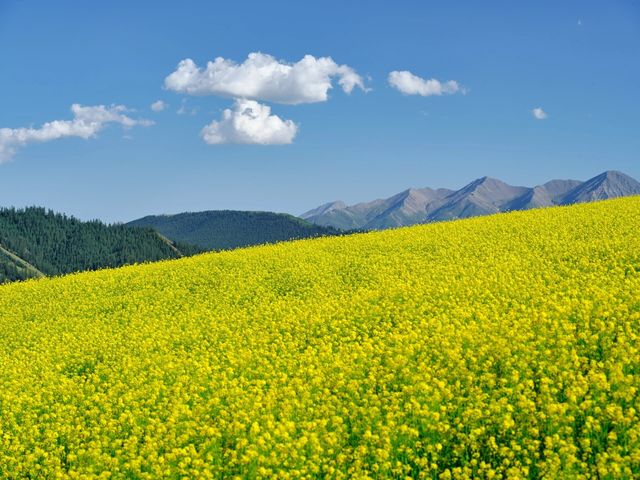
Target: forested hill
225,229
36,242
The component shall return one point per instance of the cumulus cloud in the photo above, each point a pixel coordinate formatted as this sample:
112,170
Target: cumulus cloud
538,113
250,123
87,122
159,106
410,84
264,78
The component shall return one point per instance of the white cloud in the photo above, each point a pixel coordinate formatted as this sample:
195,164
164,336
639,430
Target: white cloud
263,77
539,113
87,122
159,106
250,123
410,84
185,109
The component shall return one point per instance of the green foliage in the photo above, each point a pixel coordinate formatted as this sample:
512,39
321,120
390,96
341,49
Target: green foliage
57,244
227,229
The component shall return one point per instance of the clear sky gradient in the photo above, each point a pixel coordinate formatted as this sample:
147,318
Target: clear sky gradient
579,61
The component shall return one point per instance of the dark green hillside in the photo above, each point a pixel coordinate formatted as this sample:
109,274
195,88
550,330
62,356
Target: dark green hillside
35,241
226,229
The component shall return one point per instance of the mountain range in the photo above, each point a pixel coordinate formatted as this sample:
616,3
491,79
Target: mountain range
36,242
483,196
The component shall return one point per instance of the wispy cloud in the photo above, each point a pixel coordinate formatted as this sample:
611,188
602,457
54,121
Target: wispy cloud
538,113
186,109
264,78
410,84
159,106
87,122
250,123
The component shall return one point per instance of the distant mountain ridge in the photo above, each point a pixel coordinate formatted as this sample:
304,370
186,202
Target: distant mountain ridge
227,229
483,196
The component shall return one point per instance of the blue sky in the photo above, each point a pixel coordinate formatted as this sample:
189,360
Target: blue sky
577,61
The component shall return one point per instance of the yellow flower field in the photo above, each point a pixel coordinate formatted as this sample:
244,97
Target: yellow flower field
496,347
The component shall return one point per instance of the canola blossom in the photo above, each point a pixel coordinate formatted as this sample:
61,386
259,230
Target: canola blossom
495,347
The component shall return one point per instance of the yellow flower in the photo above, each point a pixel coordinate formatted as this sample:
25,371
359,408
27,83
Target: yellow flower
495,347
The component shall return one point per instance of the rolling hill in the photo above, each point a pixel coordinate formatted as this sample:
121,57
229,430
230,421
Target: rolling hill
228,229
35,242
501,346
483,196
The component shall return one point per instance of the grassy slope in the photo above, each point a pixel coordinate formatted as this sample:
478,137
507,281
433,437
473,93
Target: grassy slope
20,268
495,346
